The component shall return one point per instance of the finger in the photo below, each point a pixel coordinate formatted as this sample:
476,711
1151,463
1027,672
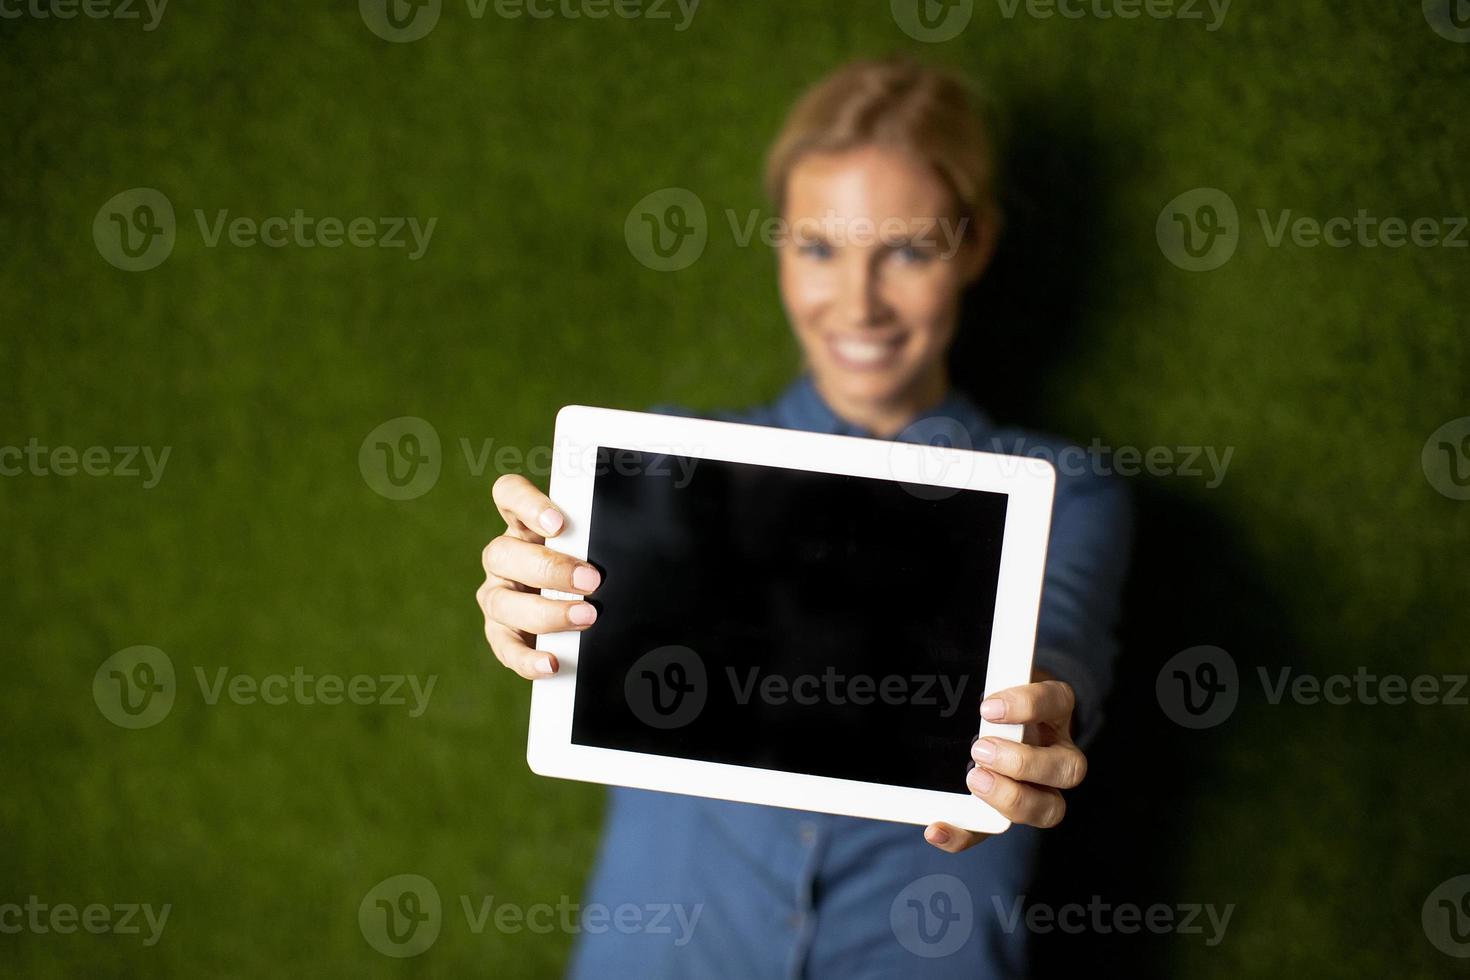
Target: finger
1049,702
537,566
532,613
521,503
948,837
1035,806
1062,766
512,651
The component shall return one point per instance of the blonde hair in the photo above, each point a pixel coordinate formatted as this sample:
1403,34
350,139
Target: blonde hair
927,112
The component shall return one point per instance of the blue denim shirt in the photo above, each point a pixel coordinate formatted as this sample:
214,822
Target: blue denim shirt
753,891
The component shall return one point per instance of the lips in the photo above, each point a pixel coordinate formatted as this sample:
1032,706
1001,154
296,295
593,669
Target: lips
865,353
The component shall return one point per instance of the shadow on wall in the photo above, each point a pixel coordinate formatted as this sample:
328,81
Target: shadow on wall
1191,582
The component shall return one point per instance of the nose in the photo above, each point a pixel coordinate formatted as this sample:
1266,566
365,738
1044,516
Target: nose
862,293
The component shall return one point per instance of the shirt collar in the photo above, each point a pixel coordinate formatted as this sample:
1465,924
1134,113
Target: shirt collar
800,406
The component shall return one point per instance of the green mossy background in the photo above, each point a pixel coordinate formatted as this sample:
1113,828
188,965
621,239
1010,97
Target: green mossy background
263,548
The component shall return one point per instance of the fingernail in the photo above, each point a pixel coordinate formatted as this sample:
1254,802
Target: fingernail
980,780
583,614
983,751
586,578
550,520
543,666
992,709
937,835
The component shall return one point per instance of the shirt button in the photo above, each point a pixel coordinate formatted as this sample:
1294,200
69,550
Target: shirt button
808,834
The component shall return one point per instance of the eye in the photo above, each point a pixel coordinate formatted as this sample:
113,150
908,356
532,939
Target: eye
820,251
910,255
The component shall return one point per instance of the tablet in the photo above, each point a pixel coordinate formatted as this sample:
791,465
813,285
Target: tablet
788,618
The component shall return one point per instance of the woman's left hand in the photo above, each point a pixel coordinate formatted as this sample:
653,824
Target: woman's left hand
1022,781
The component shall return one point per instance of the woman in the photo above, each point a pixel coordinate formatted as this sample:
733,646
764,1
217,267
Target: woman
884,175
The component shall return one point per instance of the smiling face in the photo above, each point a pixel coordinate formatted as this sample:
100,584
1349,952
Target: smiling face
871,272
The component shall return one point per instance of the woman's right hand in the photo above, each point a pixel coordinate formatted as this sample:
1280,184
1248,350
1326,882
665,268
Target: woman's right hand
517,566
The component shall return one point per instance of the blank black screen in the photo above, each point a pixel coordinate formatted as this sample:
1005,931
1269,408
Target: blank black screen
783,619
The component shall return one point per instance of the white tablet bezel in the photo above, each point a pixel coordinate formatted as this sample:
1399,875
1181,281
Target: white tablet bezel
1029,484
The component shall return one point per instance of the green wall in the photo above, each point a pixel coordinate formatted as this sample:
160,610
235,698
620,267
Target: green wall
263,547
